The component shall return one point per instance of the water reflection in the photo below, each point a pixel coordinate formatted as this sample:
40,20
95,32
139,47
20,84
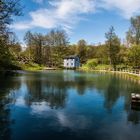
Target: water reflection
7,88
69,104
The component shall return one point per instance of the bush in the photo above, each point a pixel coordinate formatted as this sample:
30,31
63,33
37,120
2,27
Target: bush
91,64
31,66
134,56
103,67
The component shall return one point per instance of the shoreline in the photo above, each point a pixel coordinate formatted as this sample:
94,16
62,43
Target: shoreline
12,72
132,75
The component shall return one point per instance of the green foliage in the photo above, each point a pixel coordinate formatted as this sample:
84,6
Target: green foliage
8,9
102,54
97,67
50,49
103,67
133,35
81,50
31,66
134,56
92,63
47,49
5,56
113,46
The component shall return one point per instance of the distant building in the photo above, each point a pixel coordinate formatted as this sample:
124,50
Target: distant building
71,61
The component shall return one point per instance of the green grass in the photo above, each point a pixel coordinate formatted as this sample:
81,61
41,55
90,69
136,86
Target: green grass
98,67
31,67
107,68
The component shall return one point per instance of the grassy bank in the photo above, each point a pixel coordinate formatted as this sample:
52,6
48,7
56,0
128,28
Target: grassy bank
95,67
31,67
107,69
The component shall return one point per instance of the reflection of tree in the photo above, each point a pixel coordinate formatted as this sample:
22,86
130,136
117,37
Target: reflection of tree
7,85
111,93
4,119
49,90
81,85
56,97
115,86
130,87
134,116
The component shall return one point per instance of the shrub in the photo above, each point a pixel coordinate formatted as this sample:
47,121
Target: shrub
92,63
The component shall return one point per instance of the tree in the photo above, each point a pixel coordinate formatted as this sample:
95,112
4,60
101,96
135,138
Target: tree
14,47
58,38
133,35
58,42
102,54
134,56
35,45
47,49
113,46
81,50
8,9
28,38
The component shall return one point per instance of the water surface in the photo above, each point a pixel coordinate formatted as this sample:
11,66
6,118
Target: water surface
68,105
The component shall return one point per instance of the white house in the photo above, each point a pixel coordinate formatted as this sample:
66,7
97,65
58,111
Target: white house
71,61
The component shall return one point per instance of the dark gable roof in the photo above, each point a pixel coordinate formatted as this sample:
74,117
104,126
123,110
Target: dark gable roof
71,57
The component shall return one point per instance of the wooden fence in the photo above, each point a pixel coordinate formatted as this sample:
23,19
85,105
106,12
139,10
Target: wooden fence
129,71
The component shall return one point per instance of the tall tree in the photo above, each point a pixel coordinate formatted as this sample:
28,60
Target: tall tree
35,45
28,38
81,50
47,49
113,46
133,35
8,9
58,38
58,41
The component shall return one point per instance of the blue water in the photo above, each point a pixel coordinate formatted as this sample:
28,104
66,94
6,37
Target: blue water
68,105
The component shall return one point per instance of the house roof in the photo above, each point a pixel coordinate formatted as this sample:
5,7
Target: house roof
71,57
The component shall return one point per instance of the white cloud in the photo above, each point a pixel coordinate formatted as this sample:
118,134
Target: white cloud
21,25
61,13
67,13
126,8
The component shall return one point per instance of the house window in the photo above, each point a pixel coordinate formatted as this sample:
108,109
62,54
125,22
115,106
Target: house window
72,64
67,64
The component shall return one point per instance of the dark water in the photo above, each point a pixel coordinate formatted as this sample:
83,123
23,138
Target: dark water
68,105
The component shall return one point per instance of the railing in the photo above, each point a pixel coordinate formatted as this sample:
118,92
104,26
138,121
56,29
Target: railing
129,71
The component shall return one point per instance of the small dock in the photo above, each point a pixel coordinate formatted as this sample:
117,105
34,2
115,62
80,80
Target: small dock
135,101
135,97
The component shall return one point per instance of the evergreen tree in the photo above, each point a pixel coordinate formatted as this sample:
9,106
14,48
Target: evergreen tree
113,46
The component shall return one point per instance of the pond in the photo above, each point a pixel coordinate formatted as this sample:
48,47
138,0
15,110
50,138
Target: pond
68,105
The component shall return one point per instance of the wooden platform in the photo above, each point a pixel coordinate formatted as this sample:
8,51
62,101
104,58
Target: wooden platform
135,101
135,97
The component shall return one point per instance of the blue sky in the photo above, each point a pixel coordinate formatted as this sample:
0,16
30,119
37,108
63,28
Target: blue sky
81,19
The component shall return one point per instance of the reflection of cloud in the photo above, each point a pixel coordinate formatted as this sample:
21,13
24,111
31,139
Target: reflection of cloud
74,122
64,120
39,108
20,96
20,101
